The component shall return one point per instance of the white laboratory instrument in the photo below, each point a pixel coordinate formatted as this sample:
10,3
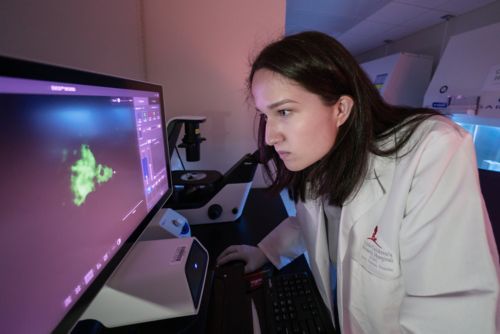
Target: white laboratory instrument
466,84
158,279
401,78
467,78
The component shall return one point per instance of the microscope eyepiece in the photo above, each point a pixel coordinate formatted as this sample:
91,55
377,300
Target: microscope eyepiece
191,140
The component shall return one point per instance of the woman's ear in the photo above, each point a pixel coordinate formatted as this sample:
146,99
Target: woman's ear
344,107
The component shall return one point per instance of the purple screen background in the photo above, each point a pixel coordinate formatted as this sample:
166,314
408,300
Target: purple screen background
48,244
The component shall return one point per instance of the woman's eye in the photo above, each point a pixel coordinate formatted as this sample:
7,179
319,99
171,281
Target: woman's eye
284,112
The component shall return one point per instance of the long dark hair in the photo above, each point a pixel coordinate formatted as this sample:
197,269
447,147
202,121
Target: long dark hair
324,67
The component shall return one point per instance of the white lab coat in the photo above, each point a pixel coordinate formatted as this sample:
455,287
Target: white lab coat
432,265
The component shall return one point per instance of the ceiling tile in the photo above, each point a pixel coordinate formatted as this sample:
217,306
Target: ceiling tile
396,13
355,8
457,7
363,24
426,19
364,36
424,3
319,21
398,32
366,28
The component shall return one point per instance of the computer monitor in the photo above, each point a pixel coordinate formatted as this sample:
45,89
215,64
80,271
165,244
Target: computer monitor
84,169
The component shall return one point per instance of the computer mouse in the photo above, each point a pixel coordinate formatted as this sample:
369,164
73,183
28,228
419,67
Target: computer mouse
235,263
231,268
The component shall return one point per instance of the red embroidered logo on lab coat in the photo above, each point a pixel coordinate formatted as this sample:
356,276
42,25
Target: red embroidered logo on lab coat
374,236
377,257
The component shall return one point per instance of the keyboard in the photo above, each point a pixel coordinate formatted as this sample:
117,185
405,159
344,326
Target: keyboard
284,302
294,305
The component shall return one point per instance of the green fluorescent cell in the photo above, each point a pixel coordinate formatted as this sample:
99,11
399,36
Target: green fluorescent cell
103,173
84,173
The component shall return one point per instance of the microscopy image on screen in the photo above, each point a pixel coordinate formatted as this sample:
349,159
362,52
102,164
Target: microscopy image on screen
85,173
72,192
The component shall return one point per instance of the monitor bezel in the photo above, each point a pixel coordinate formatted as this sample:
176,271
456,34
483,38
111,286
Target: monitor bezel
33,70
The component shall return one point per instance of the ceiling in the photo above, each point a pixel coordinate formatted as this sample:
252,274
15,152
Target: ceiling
362,25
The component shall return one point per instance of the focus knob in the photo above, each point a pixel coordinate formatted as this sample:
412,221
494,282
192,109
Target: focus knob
214,211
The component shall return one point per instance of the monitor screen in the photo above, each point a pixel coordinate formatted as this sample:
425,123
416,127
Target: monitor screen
84,168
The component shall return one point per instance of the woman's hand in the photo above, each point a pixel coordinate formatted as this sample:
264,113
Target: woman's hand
251,255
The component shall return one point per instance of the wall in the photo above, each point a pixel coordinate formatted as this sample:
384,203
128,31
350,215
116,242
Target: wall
102,36
200,55
433,40
198,52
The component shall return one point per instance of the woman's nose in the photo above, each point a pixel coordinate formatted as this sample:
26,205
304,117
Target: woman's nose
273,136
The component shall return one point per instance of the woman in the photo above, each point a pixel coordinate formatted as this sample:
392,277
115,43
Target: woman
388,197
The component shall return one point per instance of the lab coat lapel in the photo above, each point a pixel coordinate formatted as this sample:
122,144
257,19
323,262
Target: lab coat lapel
311,212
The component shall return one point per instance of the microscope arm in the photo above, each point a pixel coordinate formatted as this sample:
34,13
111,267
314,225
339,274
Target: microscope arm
191,140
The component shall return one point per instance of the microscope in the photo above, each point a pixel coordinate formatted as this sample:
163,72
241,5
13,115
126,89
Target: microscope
207,196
